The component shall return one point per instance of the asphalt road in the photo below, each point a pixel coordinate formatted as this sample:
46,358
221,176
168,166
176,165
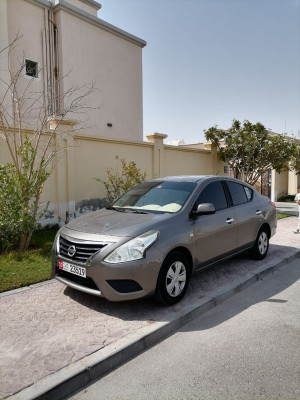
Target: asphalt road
246,348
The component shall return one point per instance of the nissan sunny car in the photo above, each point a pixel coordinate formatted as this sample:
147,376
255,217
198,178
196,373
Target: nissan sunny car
151,240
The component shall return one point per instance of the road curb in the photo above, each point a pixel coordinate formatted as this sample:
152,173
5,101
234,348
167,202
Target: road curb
84,371
25,288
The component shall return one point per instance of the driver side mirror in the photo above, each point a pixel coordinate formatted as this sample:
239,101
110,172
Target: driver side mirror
204,209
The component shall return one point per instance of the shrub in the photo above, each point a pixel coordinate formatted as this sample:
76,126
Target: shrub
10,207
21,185
118,183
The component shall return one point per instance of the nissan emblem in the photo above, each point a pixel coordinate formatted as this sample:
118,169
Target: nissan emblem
71,251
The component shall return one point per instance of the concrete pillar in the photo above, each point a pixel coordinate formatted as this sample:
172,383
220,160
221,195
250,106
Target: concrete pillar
214,160
273,186
292,182
158,153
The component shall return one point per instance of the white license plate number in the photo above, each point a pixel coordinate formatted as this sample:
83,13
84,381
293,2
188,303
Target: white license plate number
73,269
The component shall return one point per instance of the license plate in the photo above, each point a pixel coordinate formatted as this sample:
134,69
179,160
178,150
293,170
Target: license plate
73,269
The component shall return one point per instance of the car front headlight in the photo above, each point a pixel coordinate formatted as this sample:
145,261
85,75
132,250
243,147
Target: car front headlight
56,241
135,249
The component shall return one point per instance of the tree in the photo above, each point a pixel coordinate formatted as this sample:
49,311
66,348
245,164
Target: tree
295,163
27,110
118,183
250,150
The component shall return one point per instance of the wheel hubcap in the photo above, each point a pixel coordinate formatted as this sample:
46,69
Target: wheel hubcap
176,279
263,243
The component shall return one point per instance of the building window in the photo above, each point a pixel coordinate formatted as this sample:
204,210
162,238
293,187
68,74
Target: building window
31,68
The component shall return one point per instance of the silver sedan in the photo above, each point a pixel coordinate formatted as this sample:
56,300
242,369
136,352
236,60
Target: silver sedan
150,241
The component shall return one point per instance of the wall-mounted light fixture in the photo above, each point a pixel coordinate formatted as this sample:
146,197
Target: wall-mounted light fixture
109,124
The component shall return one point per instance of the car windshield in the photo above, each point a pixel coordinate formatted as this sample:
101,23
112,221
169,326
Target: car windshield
158,196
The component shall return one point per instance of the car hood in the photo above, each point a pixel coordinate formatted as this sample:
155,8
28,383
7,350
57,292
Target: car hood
114,223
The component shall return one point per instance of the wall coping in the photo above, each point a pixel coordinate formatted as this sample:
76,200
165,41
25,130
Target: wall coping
95,138
65,6
156,135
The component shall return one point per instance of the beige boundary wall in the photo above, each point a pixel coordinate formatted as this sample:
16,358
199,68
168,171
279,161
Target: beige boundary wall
73,190
283,184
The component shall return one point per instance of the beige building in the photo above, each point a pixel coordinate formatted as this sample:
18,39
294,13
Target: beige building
64,45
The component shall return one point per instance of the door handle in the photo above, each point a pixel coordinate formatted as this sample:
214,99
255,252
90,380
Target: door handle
229,220
258,212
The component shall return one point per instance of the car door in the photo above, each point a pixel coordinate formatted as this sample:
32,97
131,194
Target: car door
248,212
215,234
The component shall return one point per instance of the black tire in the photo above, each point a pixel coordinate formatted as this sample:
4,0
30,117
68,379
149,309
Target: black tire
173,279
261,245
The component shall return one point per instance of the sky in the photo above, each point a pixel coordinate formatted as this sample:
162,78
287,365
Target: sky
208,62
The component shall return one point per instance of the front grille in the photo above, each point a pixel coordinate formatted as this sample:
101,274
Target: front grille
82,251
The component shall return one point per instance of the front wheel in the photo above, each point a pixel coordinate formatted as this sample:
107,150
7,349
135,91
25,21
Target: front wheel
261,245
173,279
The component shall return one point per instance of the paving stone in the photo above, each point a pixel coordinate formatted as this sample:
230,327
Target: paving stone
45,328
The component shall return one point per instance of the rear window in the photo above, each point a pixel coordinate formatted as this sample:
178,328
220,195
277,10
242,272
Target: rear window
240,194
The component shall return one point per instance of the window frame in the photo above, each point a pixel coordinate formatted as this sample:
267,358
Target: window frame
244,187
225,190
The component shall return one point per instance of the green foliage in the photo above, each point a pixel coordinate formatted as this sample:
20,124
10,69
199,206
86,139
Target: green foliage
250,150
31,266
295,164
118,183
281,215
10,207
21,185
23,269
287,198
41,237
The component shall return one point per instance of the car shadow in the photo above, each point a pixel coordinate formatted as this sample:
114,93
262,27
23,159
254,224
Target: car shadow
202,284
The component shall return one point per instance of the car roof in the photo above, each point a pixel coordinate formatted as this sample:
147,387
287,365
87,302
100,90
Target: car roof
197,178
184,178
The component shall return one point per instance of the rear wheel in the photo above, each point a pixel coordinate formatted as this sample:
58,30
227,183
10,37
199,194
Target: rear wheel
261,245
173,279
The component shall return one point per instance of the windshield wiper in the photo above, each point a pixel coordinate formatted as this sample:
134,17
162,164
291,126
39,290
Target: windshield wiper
126,209
135,211
115,208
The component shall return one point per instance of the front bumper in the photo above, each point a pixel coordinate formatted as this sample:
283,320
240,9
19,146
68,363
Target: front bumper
115,282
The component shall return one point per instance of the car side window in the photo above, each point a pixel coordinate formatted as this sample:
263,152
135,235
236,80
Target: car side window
213,193
240,194
249,193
